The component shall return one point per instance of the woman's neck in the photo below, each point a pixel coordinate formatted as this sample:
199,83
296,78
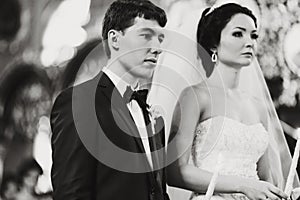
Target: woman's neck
225,77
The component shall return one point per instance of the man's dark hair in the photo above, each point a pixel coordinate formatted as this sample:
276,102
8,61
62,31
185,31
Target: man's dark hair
121,14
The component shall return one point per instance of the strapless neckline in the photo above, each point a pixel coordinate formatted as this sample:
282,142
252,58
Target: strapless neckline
240,144
229,119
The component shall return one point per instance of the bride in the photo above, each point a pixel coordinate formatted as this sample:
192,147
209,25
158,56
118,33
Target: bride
224,123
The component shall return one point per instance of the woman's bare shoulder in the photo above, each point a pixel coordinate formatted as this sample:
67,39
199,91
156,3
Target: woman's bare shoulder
197,92
194,99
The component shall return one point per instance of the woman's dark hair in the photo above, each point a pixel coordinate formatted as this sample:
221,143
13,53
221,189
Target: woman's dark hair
213,22
121,14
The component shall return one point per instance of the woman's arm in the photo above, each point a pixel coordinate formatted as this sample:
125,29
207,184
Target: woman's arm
263,165
263,168
181,174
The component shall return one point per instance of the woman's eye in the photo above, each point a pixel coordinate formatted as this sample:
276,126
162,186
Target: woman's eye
238,34
254,36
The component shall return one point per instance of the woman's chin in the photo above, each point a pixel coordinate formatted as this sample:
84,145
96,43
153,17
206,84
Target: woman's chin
246,63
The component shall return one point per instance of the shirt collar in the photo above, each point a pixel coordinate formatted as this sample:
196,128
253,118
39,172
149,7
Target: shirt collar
119,83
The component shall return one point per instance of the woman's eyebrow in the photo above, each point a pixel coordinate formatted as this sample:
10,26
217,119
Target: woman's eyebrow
242,28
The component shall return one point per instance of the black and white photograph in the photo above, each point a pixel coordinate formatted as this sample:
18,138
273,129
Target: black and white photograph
149,99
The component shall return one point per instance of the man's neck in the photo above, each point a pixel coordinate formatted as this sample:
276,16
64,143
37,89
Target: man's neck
117,68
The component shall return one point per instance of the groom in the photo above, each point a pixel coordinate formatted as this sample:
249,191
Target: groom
106,145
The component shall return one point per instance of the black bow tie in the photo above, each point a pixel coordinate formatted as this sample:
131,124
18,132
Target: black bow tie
140,96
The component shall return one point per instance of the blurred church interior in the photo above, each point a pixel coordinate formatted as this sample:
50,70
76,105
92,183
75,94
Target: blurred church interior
48,45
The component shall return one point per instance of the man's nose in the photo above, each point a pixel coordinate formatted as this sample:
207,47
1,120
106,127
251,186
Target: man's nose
156,46
156,51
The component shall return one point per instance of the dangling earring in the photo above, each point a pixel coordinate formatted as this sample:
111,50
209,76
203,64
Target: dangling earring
214,56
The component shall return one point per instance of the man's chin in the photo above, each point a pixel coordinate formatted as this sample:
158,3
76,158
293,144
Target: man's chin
147,75
149,64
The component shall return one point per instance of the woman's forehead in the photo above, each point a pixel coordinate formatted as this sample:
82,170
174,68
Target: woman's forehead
241,20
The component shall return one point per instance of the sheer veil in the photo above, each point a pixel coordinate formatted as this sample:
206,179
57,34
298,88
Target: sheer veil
179,67
252,81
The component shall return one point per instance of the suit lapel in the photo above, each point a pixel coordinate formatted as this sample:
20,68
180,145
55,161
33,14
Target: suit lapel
121,112
119,109
159,140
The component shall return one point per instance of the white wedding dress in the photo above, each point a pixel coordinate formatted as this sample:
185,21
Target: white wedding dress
240,145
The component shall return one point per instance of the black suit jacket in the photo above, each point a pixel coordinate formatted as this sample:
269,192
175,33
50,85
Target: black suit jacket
97,152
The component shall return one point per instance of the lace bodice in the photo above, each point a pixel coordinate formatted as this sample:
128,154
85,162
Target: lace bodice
241,146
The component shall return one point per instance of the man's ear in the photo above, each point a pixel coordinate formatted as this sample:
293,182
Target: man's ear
113,38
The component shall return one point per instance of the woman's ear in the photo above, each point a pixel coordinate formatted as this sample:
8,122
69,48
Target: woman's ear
214,49
113,39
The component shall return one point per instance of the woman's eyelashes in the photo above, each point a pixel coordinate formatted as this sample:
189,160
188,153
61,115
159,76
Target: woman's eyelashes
240,34
254,36
237,34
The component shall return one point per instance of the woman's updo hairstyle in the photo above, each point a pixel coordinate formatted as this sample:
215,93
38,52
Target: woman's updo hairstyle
213,21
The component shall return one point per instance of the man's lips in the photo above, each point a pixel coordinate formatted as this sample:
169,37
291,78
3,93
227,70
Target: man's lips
151,60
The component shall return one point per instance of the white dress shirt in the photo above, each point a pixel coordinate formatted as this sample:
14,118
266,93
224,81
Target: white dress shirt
134,109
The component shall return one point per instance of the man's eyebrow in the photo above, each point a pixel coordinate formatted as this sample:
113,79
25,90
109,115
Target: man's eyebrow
147,29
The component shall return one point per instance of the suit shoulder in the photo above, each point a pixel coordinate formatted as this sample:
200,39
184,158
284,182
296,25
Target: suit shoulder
62,98
77,92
